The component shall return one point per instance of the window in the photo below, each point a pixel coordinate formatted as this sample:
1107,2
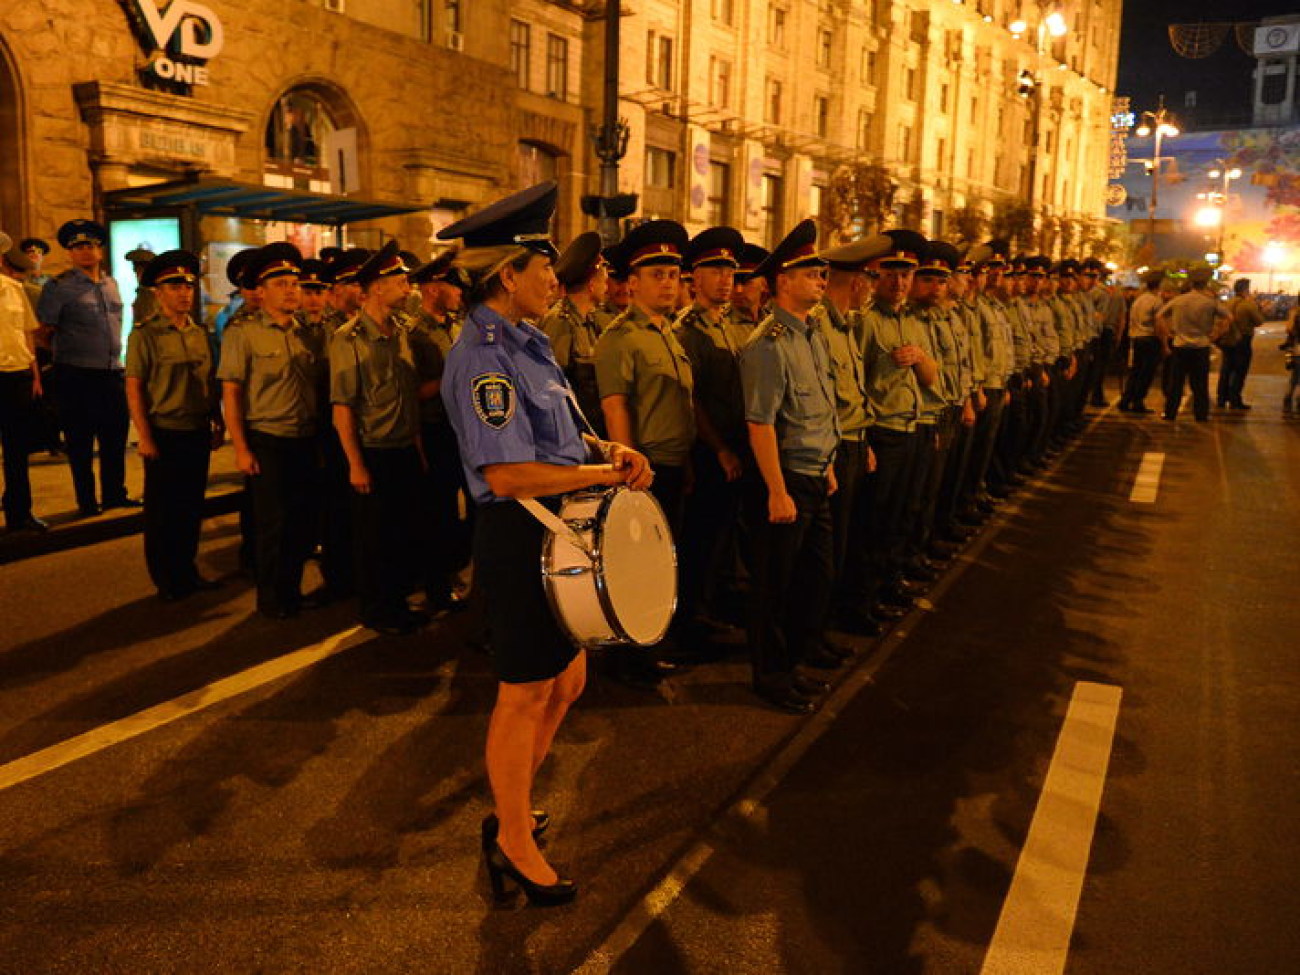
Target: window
519,44
295,139
945,93
662,75
909,84
816,200
536,164
719,83
864,128
773,115
905,143
1272,90
941,156
719,194
936,224
660,168
970,165
455,16
557,66
724,11
650,57
776,27
821,116
824,48
868,66
771,209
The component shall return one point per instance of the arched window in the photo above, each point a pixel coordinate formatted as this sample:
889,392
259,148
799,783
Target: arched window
296,134
11,216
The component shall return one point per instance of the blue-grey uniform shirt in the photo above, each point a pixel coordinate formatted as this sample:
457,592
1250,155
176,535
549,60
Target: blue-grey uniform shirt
507,399
87,320
786,372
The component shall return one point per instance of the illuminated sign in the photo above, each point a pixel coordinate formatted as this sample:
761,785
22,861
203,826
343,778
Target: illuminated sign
1121,120
179,37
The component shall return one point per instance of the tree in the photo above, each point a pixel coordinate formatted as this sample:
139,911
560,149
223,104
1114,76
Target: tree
858,201
970,223
1013,221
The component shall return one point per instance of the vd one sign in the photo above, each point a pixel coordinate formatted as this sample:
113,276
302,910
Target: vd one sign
179,37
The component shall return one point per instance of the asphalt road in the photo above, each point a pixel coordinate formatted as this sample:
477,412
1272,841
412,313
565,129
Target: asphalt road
325,819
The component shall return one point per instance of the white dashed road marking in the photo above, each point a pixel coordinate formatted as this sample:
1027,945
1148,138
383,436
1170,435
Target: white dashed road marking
1037,920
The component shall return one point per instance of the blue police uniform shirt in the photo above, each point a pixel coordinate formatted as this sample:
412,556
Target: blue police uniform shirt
507,399
87,320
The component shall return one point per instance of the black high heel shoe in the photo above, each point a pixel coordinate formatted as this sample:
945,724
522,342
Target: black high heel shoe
492,826
500,868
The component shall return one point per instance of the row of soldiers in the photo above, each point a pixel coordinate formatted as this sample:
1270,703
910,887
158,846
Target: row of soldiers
328,383
931,383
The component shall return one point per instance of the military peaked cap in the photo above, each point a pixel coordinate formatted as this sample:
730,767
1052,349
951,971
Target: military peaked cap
715,247
522,219
172,267
76,232
579,260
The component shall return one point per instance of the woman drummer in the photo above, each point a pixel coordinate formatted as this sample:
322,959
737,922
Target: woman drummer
519,437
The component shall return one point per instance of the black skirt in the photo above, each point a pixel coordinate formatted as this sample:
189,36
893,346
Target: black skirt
527,642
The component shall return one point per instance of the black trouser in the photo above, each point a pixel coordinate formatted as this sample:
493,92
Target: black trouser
983,443
384,525
885,505
446,549
1233,370
1146,356
175,483
16,429
847,523
791,577
712,510
1193,366
1102,347
931,461
283,516
92,409
1013,437
334,524
952,489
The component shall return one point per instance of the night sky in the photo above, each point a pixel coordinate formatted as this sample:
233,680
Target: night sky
1148,65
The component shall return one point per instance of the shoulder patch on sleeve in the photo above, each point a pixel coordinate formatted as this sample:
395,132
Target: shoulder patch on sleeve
494,398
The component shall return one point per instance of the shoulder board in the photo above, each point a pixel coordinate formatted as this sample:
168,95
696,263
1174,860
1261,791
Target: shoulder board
773,328
349,328
618,321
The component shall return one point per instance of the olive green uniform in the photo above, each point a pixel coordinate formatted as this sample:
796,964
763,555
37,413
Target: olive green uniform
573,338
174,366
378,377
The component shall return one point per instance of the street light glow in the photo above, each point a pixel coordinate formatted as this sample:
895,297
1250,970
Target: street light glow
1274,253
1056,25
1208,217
1019,27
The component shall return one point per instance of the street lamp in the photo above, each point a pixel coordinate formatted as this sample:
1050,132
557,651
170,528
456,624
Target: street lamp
1228,174
1159,122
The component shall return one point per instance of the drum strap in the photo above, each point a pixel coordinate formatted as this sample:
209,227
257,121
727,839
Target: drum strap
556,525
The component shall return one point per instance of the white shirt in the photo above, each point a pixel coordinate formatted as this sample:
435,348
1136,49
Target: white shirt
1142,316
16,322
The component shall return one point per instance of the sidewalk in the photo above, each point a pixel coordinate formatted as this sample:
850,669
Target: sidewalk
54,502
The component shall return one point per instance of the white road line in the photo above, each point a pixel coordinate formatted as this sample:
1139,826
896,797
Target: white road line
105,736
1147,483
1037,920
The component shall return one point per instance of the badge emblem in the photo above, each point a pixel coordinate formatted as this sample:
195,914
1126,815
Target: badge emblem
494,399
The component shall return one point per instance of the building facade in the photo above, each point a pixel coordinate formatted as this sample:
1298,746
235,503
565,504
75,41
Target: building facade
738,111
743,111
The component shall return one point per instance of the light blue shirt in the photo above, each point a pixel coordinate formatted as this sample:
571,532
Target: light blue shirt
87,320
507,399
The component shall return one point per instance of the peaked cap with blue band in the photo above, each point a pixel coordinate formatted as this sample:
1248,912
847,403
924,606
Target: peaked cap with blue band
522,219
